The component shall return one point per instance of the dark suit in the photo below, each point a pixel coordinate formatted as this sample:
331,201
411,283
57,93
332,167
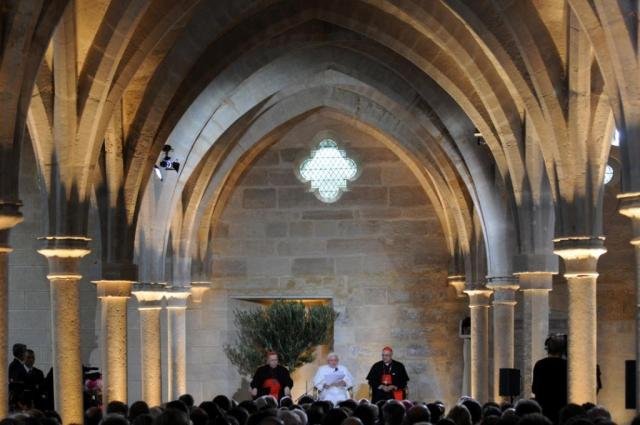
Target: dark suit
17,378
34,383
17,372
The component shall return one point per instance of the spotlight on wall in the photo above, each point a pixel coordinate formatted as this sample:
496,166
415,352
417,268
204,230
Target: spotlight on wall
167,162
156,170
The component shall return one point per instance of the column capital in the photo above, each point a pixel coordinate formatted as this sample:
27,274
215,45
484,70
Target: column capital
504,289
478,297
457,282
177,296
535,280
10,214
149,295
630,204
535,262
64,254
119,271
505,295
198,290
630,207
65,246
113,288
502,282
580,254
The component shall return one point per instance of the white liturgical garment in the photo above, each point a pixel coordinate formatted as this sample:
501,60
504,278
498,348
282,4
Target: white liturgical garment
329,375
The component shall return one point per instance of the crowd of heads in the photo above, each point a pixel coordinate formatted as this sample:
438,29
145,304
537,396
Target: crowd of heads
266,410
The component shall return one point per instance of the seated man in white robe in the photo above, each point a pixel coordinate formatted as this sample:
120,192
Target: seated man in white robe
333,380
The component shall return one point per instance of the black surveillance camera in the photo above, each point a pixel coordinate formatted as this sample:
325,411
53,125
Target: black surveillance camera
166,163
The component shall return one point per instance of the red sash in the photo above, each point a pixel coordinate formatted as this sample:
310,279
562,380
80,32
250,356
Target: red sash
387,379
274,387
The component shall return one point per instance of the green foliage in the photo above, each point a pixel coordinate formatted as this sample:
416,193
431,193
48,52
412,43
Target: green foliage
286,327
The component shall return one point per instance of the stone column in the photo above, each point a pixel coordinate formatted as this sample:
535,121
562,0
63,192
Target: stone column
504,302
479,308
114,295
466,359
457,282
9,217
580,257
149,296
64,254
535,287
177,340
630,207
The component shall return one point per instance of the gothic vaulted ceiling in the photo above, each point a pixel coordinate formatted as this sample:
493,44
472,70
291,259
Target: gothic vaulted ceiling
106,84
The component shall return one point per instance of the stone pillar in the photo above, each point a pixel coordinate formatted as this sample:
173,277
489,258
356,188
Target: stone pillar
149,296
64,254
479,308
580,257
9,217
535,287
466,359
504,302
114,295
630,207
457,282
177,340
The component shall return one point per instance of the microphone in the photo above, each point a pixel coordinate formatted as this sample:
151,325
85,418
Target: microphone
335,370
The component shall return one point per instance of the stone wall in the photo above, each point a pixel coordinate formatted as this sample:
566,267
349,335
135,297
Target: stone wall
378,253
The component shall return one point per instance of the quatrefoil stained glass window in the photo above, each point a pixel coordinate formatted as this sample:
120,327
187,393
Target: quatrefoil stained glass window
327,170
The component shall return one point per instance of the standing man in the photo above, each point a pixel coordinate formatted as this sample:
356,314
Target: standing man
333,380
17,368
271,379
17,374
388,378
34,382
550,378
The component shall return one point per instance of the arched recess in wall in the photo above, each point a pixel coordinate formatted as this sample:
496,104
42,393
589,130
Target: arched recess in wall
228,172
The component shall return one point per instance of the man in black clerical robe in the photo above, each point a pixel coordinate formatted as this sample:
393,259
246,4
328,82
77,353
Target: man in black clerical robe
388,378
271,379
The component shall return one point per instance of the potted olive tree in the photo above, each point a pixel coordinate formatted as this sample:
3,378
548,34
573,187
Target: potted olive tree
287,327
